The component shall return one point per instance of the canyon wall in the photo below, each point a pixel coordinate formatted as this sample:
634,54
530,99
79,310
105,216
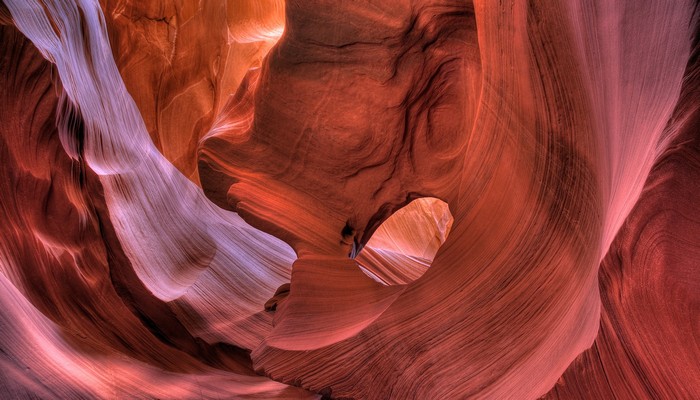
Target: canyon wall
331,199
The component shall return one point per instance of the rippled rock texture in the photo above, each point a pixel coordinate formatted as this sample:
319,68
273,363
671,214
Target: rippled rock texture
427,199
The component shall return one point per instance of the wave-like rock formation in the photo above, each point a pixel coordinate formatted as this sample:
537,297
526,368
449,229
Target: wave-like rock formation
427,199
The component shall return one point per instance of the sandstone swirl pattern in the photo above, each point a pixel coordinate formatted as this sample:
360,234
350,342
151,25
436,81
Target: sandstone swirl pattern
349,199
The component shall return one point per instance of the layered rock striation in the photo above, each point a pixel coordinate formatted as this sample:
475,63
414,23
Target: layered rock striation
423,199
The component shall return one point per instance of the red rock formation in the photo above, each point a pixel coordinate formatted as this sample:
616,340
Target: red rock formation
76,321
537,124
647,344
180,60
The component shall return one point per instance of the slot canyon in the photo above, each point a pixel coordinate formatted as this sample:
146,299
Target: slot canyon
350,199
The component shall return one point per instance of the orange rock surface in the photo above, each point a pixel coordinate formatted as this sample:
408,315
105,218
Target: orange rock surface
427,199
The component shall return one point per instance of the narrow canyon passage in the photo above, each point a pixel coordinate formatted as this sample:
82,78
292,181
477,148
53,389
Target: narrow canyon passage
423,199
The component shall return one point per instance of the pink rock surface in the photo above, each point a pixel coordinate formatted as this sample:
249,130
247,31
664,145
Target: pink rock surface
647,344
423,199
76,321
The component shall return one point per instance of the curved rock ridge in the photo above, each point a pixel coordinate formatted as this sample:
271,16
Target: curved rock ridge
332,199
540,143
647,344
75,319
